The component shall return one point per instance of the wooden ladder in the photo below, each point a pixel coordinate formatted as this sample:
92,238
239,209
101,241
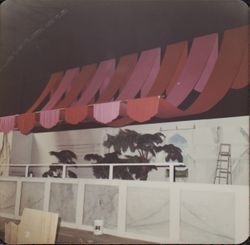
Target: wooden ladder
224,165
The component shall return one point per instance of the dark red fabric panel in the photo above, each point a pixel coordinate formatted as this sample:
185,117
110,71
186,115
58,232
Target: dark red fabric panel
121,122
26,122
63,88
51,86
76,114
172,64
146,87
122,74
79,85
242,79
222,78
143,109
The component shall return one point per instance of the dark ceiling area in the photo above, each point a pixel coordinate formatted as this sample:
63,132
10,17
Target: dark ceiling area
41,37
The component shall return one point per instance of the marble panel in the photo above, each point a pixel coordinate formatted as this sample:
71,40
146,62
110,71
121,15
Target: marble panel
63,201
147,211
32,196
207,217
7,197
101,202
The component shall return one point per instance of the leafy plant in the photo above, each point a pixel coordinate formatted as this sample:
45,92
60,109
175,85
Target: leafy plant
144,146
65,157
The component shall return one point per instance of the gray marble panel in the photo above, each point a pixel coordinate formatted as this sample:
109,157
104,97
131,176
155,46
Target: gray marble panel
148,211
7,197
63,201
207,217
101,202
32,196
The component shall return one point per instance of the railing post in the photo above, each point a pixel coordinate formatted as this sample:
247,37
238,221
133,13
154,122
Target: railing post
64,171
27,171
110,171
171,173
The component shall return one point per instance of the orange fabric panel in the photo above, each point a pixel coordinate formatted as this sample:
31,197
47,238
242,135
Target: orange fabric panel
143,109
50,87
75,114
123,71
173,62
79,85
26,122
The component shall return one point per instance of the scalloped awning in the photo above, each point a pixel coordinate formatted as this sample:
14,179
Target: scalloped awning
143,86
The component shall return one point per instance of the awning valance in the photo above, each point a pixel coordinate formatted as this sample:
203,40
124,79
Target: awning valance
143,86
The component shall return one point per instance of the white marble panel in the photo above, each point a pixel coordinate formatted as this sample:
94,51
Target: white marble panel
63,201
148,211
32,196
101,202
7,197
207,217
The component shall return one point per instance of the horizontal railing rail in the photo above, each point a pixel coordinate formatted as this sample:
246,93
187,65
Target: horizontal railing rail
170,165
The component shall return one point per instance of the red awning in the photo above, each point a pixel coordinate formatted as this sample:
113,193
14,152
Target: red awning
140,88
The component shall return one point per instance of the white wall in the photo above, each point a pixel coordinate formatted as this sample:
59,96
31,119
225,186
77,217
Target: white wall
21,148
200,150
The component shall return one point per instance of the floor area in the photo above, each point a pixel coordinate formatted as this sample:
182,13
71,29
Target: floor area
74,236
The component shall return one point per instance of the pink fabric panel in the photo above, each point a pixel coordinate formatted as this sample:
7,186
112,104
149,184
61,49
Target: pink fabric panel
103,72
49,119
7,123
201,50
140,74
69,76
106,112
152,76
209,67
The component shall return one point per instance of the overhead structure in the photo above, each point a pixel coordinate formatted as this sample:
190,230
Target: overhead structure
142,86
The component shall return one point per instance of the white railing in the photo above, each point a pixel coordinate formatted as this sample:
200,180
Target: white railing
170,165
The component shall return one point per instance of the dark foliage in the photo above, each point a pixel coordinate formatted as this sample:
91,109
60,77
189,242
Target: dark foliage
65,157
145,145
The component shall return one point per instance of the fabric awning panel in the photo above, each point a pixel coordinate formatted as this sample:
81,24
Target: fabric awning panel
81,82
51,87
140,74
104,72
120,78
173,62
222,78
138,89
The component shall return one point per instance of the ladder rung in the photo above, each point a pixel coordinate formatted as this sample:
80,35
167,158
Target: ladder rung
225,172
221,177
224,153
222,160
223,168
